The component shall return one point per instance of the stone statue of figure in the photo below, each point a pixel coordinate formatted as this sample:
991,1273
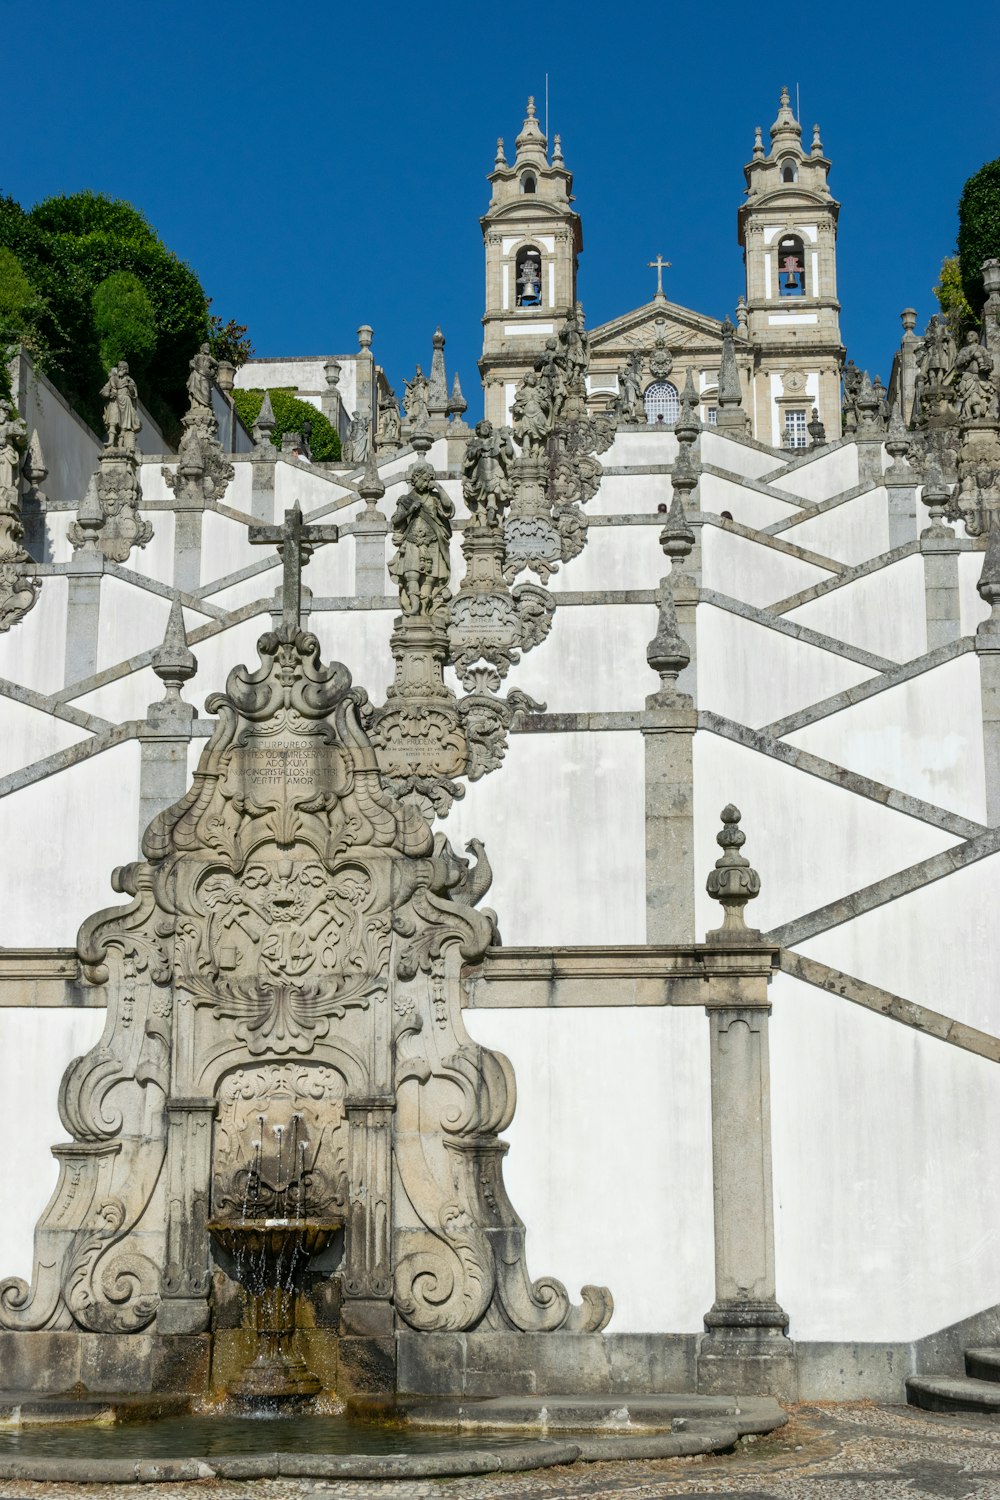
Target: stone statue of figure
199,383
421,530
550,367
529,283
630,386
486,485
532,413
357,438
121,414
576,346
975,390
388,421
13,431
416,400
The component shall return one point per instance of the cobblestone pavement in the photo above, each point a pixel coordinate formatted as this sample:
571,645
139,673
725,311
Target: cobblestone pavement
856,1451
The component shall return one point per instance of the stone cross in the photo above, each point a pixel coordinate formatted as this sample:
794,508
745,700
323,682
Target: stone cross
659,265
295,541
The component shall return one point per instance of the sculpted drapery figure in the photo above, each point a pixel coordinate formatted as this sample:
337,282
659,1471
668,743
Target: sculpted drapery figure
121,416
388,422
630,386
551,368
975,386
199,383
532,413
486,472
416,400
356,448
13,433
576,346
421,530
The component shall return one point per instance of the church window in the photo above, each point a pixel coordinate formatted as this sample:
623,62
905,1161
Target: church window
662,403
528,277
796,435
791,267
528,182
713,416
789,171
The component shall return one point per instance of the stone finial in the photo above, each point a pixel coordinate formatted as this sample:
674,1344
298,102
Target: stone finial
817,144
991,276
531,143
908,318
676,538
731,417
500,159
786,125
742,317
89,520
264,426
370,486
331,371
365,336
173,662
667,653
758,143
816,430
936,495
688,424
437,389
457,406
225,376
557,152
733,882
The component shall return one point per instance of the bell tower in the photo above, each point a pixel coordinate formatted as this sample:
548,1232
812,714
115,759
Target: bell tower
532,238
788,230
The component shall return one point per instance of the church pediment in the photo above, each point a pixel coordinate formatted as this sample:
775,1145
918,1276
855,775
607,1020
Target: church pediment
640,328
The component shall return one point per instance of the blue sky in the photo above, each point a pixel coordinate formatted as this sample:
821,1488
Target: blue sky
326,166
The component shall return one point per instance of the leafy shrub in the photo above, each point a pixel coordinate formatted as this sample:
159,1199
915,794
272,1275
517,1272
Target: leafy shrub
125,321
289,415
978,230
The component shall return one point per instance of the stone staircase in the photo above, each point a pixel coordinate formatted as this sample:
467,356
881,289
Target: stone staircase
978,1390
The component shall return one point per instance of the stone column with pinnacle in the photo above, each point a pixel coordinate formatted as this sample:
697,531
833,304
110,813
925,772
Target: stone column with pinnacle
166,733
900,482
83,599
370,531
745,1347
264,458
668,727
939,548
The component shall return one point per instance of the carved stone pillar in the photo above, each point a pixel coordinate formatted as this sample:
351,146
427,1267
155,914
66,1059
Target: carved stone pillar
166,734
940,554
745,1347
187,1279
367,1271
988,651
83,602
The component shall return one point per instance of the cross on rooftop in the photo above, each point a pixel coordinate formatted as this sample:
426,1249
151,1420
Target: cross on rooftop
295,541
659,265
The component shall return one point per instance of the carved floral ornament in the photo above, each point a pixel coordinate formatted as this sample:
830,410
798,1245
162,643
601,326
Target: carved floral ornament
290,957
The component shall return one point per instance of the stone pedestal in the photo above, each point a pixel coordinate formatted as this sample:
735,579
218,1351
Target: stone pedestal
745,1348
941,592
370,577
685,592
988,651
83,612
163,769
262,492
668,737
184,1307
187,548
902,495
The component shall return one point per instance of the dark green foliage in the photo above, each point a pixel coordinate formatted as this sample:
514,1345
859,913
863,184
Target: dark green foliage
125,322
229,341
69,246
979,230
22,311
289,415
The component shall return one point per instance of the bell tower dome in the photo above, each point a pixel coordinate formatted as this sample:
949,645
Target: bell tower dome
532,238
787,227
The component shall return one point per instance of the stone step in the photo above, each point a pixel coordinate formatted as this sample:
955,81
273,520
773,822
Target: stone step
952,1393
983,1364
608,1416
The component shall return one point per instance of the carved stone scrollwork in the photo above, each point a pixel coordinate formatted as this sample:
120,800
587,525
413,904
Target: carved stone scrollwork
284,1035
18,585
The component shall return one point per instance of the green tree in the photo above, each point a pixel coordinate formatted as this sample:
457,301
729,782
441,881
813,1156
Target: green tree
23,312
979,230
289,415
229,341
951,298
124,321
